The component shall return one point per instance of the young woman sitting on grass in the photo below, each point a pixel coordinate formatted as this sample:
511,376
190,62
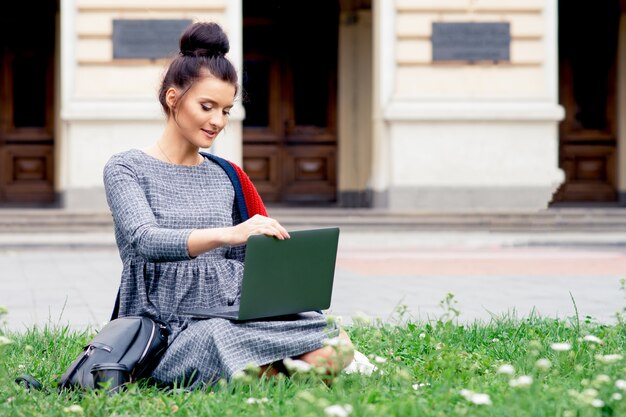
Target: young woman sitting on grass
181,234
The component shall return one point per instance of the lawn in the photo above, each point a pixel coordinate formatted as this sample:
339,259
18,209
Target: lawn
531,366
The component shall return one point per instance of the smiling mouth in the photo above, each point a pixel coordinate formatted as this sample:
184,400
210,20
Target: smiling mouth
208,132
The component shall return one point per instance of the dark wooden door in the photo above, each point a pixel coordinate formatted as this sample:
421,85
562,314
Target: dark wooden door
26,102
289,81
588,34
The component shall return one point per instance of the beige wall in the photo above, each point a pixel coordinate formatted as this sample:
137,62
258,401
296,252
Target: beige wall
522,77
355,105
97,74
463,136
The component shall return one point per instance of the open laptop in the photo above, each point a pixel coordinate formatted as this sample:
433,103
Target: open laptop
283,277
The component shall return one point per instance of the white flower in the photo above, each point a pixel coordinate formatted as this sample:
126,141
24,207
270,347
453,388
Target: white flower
597,403
475,397
379,359
616,396
422,336
495,340
5,341
338,410
297,365
592,339
602,379
253,400
480,399
609,358
506,369
561,347
74,408
543,364
419,385
523,381
621,384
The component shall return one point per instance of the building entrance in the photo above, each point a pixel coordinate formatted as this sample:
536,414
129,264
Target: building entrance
289,81
27,41
588,37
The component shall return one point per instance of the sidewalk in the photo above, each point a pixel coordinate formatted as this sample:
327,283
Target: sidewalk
71,278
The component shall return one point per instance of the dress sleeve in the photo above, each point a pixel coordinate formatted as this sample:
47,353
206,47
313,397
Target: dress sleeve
136,221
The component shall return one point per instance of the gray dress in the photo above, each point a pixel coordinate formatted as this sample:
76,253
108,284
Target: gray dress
155,206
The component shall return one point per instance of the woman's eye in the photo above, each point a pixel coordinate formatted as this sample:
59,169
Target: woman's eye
205,107
226,112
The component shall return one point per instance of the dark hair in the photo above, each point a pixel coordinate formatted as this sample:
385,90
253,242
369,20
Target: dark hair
202,47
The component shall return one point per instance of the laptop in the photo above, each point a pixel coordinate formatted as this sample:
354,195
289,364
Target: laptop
283,277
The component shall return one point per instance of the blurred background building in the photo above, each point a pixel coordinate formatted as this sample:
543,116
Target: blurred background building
398,104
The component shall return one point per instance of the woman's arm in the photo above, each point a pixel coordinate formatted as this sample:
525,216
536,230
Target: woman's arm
133,215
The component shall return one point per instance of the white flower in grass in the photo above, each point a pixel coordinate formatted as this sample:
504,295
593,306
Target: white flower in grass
506,369
524,381
253,400
297,365
561,347
475,397
616,396
602,379
422,336
74,408
5,341
612,358
593,339
621,384
379,359
597,403
338,410
543,364
419,385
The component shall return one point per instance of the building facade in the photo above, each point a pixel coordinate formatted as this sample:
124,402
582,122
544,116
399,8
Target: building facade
355,103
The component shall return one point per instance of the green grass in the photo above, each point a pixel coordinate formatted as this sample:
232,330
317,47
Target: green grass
446,356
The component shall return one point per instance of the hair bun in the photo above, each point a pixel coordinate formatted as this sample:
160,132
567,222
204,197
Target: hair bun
204,39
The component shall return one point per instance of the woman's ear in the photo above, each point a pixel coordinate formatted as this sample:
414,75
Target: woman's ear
171,97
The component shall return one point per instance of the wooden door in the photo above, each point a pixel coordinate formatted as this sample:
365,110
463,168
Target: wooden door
588,34
289,81
26,102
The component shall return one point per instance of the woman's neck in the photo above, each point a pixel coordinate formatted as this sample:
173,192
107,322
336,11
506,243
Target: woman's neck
176,149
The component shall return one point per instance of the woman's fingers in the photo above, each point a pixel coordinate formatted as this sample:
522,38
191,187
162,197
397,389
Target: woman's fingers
267,226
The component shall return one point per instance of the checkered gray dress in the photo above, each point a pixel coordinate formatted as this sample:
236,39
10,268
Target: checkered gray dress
155,206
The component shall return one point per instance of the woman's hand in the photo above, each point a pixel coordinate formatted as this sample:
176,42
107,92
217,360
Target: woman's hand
204,240
256,225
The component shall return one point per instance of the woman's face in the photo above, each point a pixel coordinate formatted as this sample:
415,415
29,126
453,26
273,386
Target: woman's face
202,112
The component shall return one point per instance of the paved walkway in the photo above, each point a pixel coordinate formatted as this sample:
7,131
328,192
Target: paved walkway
497,274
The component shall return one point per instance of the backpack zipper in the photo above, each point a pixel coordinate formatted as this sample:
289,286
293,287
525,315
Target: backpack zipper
145,351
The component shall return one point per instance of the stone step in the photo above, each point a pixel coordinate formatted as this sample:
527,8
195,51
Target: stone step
606,220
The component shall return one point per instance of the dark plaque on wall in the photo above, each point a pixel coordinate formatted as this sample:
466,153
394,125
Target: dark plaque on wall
150,39
469,41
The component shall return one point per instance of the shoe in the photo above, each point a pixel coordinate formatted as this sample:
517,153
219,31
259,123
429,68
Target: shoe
360,364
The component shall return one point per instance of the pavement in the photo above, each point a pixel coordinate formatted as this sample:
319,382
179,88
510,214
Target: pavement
55,278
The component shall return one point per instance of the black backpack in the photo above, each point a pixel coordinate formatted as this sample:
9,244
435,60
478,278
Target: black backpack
124,350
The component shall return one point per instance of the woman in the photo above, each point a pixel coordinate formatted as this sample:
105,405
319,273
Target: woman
181,226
